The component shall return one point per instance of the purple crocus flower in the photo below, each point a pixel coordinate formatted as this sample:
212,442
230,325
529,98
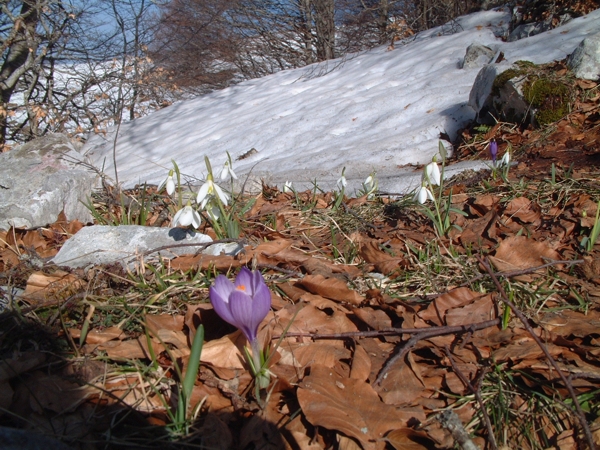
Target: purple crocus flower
493,151
244,303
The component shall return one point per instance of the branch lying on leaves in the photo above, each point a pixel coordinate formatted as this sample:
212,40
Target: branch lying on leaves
418,334
449,422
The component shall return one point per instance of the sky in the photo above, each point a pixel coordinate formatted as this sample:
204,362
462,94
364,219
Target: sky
377,111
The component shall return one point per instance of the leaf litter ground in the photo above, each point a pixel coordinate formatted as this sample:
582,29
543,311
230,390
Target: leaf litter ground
386,325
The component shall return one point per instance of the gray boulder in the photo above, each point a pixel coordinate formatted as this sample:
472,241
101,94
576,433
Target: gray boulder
477,55
15,439
585,60
40,179
517,94
480,97
126,245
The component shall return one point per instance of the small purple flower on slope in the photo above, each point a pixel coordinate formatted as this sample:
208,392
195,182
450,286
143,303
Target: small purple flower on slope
494,151
244,303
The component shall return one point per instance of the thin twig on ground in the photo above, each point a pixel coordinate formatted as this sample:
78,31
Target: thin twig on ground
450,421
477,394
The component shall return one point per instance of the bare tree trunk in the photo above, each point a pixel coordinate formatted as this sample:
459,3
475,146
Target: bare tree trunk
383,20
325,28
22,49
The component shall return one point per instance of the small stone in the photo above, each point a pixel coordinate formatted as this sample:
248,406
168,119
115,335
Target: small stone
477,55
585,60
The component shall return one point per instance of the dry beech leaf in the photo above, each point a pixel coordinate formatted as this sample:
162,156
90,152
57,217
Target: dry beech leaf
52,392
326,353
311,319
225,352
56,286
523,209
481,231
521,252
361,364
331,288
350,406
132,348
480,310
374,318
346,443
156,322
402,386
566,323
409,439
96,336
524,349
10,368
436,311
384,262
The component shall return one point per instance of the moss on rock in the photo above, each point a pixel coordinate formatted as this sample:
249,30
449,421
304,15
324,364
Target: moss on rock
547,93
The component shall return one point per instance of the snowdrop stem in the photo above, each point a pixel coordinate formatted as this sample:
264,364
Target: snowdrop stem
179,193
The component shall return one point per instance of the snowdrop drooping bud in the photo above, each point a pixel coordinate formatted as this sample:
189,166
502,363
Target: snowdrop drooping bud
288,187
187,216
168,183
227,171
422,195
505,161
209,190
341,182
432,174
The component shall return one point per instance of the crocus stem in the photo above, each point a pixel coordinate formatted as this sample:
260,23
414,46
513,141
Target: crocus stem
261,376
256,357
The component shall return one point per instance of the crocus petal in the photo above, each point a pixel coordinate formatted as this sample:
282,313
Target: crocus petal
244,279
219,294
493,150
203,192
244,311
432,173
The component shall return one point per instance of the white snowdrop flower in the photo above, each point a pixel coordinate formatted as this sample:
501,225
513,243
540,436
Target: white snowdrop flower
341,182
208,190
369,182
505,161
168,183
288,187
187,216
227,171
213,212
422,195
432,173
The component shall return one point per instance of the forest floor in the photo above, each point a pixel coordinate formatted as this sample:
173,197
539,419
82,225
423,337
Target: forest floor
388,324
